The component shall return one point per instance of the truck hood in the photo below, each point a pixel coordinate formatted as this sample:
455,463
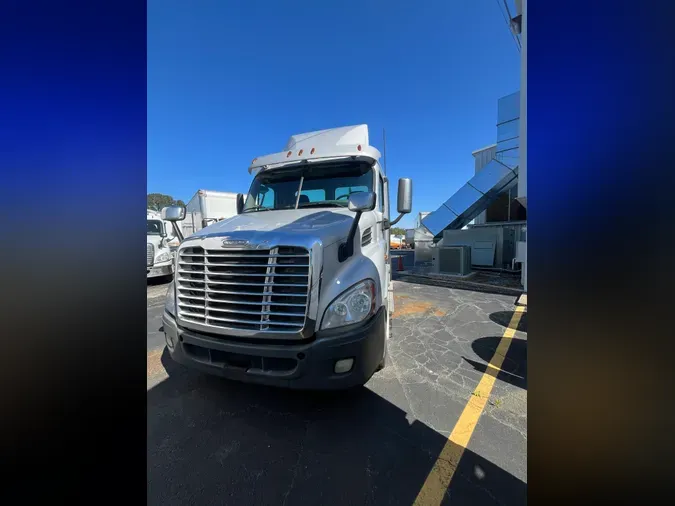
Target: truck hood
292,226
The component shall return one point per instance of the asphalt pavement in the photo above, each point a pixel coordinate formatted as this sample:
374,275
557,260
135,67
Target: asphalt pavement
213,441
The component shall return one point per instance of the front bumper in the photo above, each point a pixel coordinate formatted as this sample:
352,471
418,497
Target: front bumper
163,269
307,366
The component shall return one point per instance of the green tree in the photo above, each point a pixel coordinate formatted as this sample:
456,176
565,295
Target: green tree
158,201
397,231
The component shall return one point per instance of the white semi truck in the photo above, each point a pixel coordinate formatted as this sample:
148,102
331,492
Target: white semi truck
161,242
295,290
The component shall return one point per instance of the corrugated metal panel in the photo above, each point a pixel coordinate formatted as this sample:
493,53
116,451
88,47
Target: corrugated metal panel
420,217
481,158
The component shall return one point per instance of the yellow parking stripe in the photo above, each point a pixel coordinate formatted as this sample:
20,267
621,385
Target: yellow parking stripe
441,474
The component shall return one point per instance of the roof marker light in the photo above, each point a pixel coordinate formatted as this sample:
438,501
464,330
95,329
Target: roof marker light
288,154
300,153
358,147
312,151
254,160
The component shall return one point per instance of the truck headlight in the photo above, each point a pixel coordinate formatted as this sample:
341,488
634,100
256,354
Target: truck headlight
163,257
352,306
170,303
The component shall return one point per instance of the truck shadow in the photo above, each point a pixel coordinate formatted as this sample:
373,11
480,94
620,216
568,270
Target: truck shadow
503,318
213,441
514,367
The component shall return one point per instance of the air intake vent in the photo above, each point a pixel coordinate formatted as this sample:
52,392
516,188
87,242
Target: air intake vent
367,237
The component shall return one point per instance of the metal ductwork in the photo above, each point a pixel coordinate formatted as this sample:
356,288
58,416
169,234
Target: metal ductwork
471,199
496,177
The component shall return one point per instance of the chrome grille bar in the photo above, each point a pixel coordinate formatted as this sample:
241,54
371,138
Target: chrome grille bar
265,291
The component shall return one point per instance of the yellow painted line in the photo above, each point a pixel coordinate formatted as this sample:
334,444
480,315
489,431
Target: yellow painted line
440,476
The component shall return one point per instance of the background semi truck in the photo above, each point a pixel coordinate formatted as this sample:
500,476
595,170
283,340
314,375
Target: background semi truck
207,207
161,243
295,290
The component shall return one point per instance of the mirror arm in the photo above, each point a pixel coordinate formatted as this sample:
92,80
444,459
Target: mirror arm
346,249
179,234
398,218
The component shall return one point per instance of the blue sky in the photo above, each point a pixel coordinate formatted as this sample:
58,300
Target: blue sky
229,81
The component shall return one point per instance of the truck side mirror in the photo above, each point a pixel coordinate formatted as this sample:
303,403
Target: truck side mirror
173,213
361,202
404,195
404,203
240,203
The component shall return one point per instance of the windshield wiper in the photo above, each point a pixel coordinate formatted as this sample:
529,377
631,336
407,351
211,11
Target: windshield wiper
256,208
320,204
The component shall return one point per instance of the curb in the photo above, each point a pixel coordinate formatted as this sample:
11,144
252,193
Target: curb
459,283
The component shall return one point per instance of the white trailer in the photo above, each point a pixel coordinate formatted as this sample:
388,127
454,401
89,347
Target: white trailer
207,207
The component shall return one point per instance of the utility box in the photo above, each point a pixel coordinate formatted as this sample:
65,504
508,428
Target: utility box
491,245
452,260
423,241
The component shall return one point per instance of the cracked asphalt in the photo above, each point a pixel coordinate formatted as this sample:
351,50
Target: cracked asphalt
211,441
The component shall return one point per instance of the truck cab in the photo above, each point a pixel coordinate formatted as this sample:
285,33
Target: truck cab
295,290
161,243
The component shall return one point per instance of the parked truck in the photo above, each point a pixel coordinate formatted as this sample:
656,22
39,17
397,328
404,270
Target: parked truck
396,241
295,290
161,242
207,207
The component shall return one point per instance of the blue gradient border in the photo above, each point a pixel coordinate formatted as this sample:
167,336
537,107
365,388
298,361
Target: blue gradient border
600,245
73,158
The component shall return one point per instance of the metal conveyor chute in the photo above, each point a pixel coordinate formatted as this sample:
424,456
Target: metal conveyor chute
471,199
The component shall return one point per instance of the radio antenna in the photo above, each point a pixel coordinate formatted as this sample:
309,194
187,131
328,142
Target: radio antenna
384,151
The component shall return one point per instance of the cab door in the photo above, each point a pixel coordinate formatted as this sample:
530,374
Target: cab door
383,234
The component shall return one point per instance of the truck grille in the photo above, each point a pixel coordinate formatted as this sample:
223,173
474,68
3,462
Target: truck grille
151,255
259,290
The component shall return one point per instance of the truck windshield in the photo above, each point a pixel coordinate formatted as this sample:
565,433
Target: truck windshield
154,227
321,185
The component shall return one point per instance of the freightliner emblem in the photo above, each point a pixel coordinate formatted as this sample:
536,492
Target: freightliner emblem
230,243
